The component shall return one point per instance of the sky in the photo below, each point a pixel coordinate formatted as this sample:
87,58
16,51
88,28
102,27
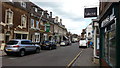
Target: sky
70,11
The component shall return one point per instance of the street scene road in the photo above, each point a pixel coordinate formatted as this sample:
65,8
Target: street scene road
65,33
61,56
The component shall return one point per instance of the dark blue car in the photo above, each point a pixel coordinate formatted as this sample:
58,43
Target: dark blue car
49,45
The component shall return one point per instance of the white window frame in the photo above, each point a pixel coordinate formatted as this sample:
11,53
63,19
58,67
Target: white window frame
23,4
32,21
25,22
37,37
6,13
36,9
37,24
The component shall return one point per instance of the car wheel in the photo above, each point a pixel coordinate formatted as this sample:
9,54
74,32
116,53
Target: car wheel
37,50
22,53
50,48
8,54
55,47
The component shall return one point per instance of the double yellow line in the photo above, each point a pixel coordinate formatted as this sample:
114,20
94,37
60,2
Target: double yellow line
70,64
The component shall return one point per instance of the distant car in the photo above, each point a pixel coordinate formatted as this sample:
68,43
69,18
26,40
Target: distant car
20,47
64,43
82,43
49,45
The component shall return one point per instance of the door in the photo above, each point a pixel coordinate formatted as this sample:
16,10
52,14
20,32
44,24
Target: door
7,38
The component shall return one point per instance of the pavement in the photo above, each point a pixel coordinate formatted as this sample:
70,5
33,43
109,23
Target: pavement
86,60
2,53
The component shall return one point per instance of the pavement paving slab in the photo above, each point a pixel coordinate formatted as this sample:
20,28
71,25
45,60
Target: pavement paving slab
85,60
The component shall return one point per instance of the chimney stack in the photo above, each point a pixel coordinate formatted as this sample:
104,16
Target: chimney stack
61,21
50,14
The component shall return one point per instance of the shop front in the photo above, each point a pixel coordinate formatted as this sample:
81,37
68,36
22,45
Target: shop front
109,45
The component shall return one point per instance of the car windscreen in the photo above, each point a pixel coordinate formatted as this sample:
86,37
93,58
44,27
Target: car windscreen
12,42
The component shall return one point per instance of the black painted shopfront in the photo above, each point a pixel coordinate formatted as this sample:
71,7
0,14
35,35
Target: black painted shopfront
110,37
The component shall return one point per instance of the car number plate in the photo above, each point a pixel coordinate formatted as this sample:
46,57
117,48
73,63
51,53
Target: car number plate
9,49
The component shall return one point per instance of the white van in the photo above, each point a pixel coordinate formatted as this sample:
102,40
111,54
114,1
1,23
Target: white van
82,43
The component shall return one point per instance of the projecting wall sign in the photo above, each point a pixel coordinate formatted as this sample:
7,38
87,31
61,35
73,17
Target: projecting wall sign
90,12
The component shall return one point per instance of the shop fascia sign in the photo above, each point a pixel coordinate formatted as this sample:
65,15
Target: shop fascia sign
109,18
90,12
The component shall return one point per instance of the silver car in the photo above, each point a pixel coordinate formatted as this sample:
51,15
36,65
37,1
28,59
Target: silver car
21,47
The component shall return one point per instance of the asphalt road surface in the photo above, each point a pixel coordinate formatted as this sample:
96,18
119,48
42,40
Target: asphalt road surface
62,56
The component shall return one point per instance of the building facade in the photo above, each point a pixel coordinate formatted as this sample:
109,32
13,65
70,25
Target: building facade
26,20
15,19
109,22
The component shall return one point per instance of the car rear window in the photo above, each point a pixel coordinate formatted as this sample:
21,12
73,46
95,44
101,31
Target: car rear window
12,42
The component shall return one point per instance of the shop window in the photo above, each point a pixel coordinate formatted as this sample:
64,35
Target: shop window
18,36
110,45
24,36
21,36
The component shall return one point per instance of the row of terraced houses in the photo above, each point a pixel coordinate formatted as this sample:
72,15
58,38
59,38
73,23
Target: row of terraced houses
26,20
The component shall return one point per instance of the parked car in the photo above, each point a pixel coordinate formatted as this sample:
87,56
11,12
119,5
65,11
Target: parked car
20,47
82,43
49,45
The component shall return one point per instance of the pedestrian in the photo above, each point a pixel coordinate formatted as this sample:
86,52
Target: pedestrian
88,43
91,43
2,46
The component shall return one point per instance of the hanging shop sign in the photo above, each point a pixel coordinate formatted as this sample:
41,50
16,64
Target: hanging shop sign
47,27
90,12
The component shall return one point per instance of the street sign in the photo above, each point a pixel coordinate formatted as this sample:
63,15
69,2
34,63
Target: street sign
90,12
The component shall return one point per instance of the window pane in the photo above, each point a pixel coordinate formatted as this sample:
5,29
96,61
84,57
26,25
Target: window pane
32,23
24,36
25,42
18,36
24,21
12,42
9,16
37,24
112,43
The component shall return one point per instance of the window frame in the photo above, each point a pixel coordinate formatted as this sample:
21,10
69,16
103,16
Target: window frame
25,22
32,21
7,16
37,24
35,9
23,4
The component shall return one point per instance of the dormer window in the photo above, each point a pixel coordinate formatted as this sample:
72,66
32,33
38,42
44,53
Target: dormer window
23,4
47,16
36,10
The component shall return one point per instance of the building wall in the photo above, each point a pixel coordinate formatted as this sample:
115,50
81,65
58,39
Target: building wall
18,11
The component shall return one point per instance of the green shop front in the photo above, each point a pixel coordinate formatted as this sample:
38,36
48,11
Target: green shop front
109,25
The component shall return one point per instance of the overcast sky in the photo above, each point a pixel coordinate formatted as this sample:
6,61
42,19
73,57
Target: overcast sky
70,11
